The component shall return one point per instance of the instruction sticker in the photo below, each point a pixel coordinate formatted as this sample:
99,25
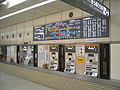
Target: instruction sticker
80,60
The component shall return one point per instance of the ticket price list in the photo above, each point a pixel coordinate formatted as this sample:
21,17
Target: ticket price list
94,27
63,30
52,31
39,33
70,29
90,27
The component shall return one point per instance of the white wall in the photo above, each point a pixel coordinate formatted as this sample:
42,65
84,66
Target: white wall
20,30
13,40
115,61
28,33
115,20
2,35
7,35
115,36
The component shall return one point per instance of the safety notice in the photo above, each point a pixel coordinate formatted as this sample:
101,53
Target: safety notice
80,60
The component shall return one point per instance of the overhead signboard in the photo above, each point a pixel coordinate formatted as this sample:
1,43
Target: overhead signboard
89,27
63,30
93,7
38,33
94,27
101,1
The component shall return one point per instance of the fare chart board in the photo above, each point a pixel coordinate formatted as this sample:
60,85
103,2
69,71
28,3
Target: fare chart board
63,30
90,27
38,33
94,27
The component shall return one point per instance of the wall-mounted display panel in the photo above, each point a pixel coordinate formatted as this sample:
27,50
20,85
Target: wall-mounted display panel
94,27
88,27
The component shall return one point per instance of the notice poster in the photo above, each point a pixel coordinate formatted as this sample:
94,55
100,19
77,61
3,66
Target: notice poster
41,54
80,60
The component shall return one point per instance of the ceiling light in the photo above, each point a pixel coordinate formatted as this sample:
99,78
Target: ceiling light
14,2
26,9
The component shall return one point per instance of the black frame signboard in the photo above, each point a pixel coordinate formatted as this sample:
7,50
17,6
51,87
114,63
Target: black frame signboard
88,27
63,30
38,33
94,27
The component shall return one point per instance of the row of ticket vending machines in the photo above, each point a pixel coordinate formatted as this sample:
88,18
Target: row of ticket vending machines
84,59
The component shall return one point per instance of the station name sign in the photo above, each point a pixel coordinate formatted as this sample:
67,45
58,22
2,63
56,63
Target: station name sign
97,6
93,7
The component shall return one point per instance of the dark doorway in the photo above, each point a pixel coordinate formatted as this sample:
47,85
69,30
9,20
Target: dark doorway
3,53
104,61
61,58
18,54
35,56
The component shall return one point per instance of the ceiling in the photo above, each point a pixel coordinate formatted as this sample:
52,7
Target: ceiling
41,11
2,1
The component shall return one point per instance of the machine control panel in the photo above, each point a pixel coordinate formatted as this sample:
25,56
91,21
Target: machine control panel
53,57
91,60
70,59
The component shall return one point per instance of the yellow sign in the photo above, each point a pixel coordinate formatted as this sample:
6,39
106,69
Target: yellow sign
80,60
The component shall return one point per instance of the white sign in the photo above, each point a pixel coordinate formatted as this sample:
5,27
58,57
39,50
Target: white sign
102,9
54,41
70,41
90,40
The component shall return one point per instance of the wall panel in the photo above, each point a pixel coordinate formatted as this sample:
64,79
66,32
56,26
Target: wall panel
115,20
7,38
28,35
53,18
5,35
77,13
13,39
2,36
20,33
115,61
39,21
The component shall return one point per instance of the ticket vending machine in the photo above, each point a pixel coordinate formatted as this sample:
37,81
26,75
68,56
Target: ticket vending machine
54,58
91,60
69,59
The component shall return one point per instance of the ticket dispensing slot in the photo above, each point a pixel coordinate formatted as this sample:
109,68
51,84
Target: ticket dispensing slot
70,59
91,58
53,58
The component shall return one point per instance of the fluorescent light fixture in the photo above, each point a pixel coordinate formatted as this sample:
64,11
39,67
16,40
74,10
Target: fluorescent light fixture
5,2
14,2
26,9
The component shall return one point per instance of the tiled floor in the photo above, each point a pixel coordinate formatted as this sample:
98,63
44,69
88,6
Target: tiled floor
10,82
